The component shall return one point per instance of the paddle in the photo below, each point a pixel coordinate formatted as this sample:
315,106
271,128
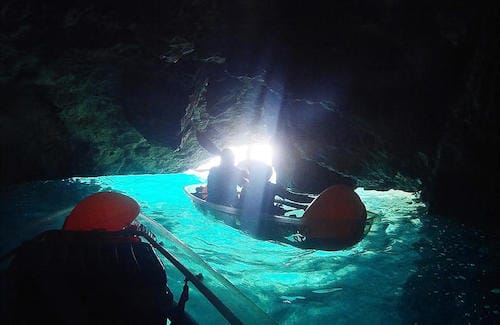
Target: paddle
207,144
216,302
236,307
292,204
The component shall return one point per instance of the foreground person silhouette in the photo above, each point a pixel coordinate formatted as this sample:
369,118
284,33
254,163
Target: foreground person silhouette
223,180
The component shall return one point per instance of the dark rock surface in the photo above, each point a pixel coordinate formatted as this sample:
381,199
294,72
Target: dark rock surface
383,95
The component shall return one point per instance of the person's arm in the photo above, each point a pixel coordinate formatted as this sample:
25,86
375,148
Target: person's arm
243,178
284,193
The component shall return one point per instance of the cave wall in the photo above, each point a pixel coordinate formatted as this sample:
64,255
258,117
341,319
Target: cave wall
463,180
381,95
84,91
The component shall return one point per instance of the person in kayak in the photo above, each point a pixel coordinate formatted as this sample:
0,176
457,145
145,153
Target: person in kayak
223,180
259,194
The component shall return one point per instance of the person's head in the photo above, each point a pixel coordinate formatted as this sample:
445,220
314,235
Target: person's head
227,157
260,171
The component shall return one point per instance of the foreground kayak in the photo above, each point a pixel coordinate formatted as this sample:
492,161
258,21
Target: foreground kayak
328,223
103,267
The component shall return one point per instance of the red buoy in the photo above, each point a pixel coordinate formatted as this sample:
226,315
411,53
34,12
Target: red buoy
102,211
336,214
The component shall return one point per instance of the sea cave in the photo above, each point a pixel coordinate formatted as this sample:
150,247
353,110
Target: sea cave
395,99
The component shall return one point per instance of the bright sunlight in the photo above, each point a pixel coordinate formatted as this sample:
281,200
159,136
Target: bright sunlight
256,151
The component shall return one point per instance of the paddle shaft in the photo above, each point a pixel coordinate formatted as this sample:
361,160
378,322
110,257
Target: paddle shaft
291,204
218,304
206,143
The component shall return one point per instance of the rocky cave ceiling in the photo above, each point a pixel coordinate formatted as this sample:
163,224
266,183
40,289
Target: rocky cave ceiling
387,94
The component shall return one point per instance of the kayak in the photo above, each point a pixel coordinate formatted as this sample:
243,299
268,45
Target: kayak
104,266
300,225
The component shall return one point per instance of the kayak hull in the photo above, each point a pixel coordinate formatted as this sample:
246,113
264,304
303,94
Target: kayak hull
288,229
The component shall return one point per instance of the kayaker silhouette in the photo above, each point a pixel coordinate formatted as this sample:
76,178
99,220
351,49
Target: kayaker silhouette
223,180
258,196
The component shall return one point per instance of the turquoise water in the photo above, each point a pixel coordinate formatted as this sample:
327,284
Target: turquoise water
378,281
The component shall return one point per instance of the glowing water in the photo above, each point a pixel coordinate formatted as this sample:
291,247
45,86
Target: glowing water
360,285
293,285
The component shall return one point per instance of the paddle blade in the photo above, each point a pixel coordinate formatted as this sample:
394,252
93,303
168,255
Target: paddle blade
104,211
207,144
337,214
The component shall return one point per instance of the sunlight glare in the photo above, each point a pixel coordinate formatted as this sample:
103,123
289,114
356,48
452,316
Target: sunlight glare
256,151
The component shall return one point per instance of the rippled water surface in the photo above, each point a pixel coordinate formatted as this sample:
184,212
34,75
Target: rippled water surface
371,283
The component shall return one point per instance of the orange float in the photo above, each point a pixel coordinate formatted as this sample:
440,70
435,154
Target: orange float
102,211
337,214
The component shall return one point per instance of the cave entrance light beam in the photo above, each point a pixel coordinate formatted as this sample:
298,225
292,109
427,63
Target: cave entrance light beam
255,151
